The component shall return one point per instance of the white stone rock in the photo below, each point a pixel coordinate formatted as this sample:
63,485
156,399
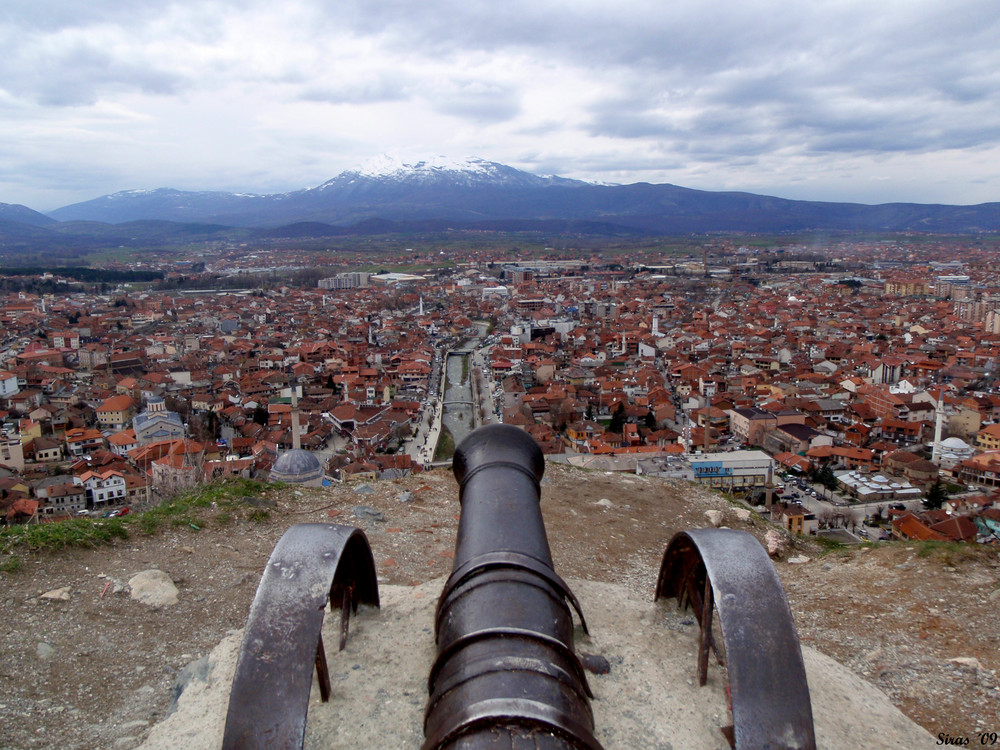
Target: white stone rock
799,560
743,514
153,587
714,517
967,661
59,595
774,543
604,503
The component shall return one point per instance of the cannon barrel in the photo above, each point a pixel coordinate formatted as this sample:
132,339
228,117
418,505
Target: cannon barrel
506,674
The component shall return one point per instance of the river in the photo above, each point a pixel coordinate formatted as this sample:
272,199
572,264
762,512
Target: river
459,417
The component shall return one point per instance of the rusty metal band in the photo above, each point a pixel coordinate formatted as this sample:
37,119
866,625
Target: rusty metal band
519,712
472,585
510,559
507,632
486,664
282,640
767,677
520,468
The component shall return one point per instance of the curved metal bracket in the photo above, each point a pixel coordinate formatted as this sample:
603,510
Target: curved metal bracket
767,678
312,564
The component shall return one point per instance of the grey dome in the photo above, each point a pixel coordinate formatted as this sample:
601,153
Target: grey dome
297,467
955,444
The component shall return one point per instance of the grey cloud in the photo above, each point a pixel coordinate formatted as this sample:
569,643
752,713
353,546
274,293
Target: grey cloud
378,89
76,73
631,124
478,101
55,15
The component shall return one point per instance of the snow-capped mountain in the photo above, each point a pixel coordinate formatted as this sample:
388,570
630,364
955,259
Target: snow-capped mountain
487,194
386,172
384,187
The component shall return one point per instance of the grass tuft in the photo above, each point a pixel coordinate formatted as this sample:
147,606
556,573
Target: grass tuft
187,509
829,545
446,445
950,553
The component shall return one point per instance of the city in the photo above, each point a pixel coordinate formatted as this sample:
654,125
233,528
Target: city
472,320
851,389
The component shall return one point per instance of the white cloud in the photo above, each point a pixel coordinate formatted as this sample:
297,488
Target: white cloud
893,101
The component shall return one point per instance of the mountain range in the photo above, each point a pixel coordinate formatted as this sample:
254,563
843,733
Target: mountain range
386,196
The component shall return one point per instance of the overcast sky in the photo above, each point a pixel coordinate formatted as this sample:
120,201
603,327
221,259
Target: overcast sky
824,100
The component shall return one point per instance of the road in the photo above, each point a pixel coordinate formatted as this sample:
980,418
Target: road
851,512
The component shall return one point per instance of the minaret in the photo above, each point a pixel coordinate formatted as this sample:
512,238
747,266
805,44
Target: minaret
686,433
421,305
296,438
769,487
938,422
656,324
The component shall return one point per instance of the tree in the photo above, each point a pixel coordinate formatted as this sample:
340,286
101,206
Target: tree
936,495
650,420
212,430
824,476
618,418
260,414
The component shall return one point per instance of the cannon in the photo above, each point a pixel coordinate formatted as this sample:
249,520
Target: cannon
506,674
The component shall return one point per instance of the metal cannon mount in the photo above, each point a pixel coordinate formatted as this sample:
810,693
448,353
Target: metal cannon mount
506,673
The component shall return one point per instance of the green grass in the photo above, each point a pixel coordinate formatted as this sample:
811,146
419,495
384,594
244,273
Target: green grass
220,501
829,545
446,445
949,553
75,532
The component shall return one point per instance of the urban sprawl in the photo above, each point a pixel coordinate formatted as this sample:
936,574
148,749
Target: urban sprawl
849,388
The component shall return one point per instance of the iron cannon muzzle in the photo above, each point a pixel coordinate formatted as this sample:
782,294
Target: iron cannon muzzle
506,674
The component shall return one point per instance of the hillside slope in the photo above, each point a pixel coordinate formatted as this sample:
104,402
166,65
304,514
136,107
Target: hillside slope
98,669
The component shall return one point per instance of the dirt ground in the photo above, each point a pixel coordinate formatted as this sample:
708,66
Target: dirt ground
99,669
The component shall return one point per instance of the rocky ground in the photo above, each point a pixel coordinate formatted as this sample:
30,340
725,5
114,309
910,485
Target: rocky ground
93,667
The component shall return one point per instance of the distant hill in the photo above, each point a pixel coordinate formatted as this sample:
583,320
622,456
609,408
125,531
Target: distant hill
478,193
22,242
16,213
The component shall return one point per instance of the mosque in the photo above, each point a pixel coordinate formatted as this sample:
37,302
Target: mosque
297,466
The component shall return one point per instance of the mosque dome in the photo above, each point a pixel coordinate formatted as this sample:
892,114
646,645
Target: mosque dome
297,467
955,444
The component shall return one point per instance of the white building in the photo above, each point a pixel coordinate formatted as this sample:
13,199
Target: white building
103,488
735,470
8,384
